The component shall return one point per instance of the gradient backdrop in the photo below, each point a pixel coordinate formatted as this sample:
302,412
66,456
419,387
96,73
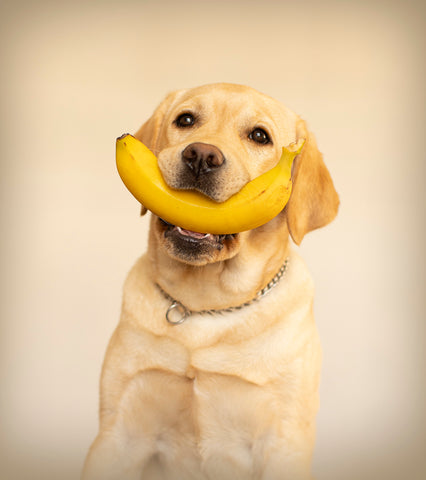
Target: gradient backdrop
75,75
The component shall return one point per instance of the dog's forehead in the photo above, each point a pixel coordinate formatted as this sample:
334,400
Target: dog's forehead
231,99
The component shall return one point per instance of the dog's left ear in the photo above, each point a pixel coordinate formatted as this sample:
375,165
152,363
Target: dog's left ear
314,201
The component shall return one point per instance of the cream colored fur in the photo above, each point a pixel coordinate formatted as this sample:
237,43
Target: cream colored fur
234,395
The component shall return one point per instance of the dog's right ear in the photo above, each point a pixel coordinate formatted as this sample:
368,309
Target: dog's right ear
149,132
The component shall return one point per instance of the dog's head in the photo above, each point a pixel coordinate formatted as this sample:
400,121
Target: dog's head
215,139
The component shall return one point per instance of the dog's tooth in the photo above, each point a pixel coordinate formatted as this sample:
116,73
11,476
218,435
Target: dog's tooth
190,233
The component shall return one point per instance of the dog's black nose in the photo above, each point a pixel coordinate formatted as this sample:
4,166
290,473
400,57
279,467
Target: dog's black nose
202,158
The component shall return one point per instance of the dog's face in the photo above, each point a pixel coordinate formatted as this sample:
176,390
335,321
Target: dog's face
215,139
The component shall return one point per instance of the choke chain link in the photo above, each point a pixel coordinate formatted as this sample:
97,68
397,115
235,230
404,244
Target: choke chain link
185,313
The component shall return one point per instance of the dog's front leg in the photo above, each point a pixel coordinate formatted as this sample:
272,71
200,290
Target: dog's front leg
151,434
251,432
110,458
145,410
285,461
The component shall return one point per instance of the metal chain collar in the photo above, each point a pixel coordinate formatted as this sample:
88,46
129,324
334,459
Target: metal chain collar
185,313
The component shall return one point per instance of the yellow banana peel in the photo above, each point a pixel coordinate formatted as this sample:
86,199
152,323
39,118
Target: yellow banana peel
255,204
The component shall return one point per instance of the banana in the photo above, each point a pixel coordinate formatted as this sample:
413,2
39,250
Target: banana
254,205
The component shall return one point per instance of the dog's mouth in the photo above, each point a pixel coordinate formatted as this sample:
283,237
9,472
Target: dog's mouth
195,239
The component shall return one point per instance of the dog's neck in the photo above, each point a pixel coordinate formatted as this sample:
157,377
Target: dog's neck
178,313
221,284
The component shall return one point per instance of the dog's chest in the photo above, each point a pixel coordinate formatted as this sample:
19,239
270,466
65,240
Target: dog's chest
196,392
199,415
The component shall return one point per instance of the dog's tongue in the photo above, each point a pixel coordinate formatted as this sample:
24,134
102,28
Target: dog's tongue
190,233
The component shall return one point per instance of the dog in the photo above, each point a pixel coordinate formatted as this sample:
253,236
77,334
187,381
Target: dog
213,370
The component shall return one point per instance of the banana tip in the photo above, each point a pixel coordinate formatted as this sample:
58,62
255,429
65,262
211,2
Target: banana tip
295,147
122,136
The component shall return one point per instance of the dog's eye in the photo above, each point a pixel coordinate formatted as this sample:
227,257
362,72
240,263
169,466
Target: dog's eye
259,135
185,120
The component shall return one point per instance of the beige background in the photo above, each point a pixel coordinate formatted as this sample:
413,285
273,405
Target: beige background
76,75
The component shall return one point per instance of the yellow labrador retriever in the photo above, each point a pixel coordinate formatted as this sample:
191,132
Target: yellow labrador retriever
213,370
